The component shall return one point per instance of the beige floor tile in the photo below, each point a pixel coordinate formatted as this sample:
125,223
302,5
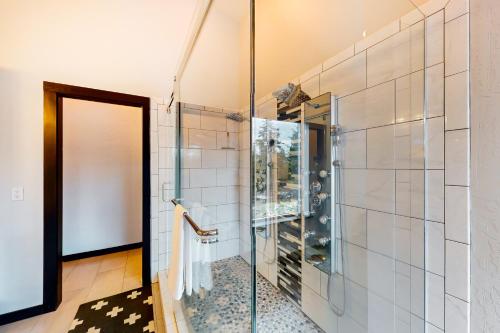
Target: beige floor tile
23,326
106,284
82,276
113,261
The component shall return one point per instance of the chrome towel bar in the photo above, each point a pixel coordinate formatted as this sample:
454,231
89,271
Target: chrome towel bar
196,228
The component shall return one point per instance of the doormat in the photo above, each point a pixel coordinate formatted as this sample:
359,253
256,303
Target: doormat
128,312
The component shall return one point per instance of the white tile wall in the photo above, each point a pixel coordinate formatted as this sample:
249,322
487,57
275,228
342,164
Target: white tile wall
457,101
457,45
457,270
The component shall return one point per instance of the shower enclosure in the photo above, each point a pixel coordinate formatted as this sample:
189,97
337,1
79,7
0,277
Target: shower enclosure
317,189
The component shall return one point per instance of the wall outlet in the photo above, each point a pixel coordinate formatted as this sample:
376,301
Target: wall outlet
17,193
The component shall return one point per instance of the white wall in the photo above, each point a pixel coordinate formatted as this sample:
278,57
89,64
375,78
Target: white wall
212,75
124,46
485,158
102,175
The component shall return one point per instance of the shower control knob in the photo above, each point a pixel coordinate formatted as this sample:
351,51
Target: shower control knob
336,163
323,219
323,196
309,233
323,173
323,241
315,186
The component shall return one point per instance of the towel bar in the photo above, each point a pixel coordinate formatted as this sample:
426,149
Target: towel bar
196,228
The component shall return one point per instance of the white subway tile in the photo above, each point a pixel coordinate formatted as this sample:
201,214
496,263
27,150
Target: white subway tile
457,45
435,300
435,248
227,213
346,77
435,143
417,46
233,159
202,139
403,192
154,163
435,90
154,185
457,270
227,140
380,147
215,121
190,118
457,315
191,158
213,158
166,158
153,142
457,157
191,197
153,120
227,177
380,274
457,214
457,101
233,126
166,136
417,293
213,195
435,195
202,177
233,194
435,39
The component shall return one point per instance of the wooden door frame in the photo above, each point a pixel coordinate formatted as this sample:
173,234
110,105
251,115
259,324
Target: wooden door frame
52,182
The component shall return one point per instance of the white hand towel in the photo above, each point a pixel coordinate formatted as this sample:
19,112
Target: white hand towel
175,280
188,258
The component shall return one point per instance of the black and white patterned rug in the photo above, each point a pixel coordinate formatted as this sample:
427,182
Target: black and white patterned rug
128,312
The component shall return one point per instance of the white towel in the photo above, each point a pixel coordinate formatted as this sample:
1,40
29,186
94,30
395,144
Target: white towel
175,280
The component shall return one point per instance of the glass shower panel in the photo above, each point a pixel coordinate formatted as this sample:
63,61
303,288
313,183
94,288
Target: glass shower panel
354,257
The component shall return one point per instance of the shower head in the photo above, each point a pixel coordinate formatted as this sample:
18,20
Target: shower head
235,116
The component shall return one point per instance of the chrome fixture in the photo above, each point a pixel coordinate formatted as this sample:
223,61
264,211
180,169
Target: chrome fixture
200,232
309,233
323,219
323,241
315,186
236,116
323,174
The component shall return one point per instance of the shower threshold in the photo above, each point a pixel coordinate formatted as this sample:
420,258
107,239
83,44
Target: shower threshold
226,308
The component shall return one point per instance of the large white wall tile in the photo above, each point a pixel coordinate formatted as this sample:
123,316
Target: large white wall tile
213,158
346,77
435,247
457,270
380,274
455,8
380,190
457,214
410,97
353,152
339,57
311,86
457,157
435,299
403,192
457,45
418,293
417,193
417,243
380,147
227,177
368,108
435,39
402,235
435,90
435,143
378,36
213,195
202,178
435,195
215,121
355,225
389,59
457,315
380,232
457,101
190,158
190,118
202,139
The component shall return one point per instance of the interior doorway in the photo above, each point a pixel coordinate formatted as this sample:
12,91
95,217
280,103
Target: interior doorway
55,97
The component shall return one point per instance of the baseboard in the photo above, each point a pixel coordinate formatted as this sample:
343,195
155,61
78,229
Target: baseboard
13,316
101,252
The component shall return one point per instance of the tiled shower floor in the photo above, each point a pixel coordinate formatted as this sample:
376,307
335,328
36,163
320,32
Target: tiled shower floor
226,308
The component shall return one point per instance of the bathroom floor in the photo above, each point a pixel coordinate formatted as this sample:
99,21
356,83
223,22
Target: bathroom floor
85,280
226,308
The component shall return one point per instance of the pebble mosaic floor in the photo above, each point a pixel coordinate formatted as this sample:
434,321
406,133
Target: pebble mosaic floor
226,308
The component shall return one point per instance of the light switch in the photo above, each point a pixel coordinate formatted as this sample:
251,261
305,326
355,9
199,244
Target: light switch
17,193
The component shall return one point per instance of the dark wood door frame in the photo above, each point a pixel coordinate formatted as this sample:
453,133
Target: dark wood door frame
52,182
